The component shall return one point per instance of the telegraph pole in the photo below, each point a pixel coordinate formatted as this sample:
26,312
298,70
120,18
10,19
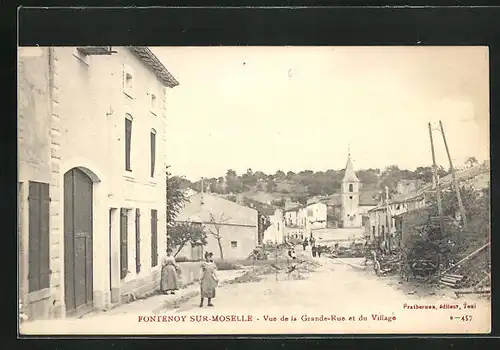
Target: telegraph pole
438,192
455,184
388,217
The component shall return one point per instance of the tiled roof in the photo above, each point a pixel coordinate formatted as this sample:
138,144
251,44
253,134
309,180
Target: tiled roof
332,200
150,59
237,214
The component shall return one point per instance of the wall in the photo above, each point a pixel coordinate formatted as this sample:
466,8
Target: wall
329,236
350,206
246,238
190,272
34,156
34,115
275,232
318,217
411,221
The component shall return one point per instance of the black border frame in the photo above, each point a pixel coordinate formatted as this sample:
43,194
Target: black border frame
267,26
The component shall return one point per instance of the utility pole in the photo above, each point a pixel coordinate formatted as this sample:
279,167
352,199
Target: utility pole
388,217
455,184
438,192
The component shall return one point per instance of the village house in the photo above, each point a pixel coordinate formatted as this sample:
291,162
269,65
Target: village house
410,209
292,216
275,233
92,175
316,216
236,224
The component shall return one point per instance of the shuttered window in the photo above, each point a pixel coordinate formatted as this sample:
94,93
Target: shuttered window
39,236
137,240
154,237
123,243
128,142
153,152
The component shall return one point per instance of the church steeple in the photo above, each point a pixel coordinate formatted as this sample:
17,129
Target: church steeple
350,174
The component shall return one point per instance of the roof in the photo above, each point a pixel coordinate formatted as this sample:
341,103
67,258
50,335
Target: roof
350,175
262,208
333,200
293,209
478,175
150,59
219,207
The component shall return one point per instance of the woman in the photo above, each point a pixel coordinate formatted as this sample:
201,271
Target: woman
209,280
168,274
314,249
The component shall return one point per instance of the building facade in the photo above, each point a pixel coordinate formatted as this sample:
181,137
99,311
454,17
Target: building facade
316,216
92,176
235,224
275,233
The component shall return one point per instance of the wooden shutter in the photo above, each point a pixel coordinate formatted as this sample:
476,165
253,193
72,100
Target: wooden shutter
128,142
154,238
123,243
137,240
153,153
39,236
44,237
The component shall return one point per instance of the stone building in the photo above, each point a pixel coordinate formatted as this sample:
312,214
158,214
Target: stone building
236,224
92,176
349,197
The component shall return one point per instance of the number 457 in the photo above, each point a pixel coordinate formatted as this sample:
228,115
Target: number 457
467,318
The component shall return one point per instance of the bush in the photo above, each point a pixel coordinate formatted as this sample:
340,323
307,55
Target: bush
181,259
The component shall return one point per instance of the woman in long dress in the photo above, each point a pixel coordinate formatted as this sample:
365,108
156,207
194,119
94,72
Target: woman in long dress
168,274
209,280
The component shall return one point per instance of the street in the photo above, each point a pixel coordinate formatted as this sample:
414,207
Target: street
335,298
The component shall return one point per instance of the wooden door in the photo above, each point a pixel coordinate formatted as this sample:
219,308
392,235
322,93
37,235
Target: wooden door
78,262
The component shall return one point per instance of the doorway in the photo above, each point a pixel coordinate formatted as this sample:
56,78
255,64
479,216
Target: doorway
78,250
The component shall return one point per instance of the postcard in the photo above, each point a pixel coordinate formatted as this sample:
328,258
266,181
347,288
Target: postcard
253,190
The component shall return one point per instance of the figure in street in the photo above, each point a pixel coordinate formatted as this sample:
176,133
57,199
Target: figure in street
168,284
318,250
314,250
305,244
209,280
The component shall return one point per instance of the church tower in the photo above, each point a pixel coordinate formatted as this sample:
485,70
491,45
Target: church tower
349,194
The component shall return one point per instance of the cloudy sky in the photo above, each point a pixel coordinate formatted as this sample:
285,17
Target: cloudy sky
298,108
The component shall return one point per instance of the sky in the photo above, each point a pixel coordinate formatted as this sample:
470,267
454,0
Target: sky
302,108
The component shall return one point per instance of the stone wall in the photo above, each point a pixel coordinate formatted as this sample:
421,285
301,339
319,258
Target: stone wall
140,287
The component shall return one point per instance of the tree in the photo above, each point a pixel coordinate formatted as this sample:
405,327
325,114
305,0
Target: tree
280,175
234,183
176,197
455,243
425,174
471,161
182,233
271,186
215,232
